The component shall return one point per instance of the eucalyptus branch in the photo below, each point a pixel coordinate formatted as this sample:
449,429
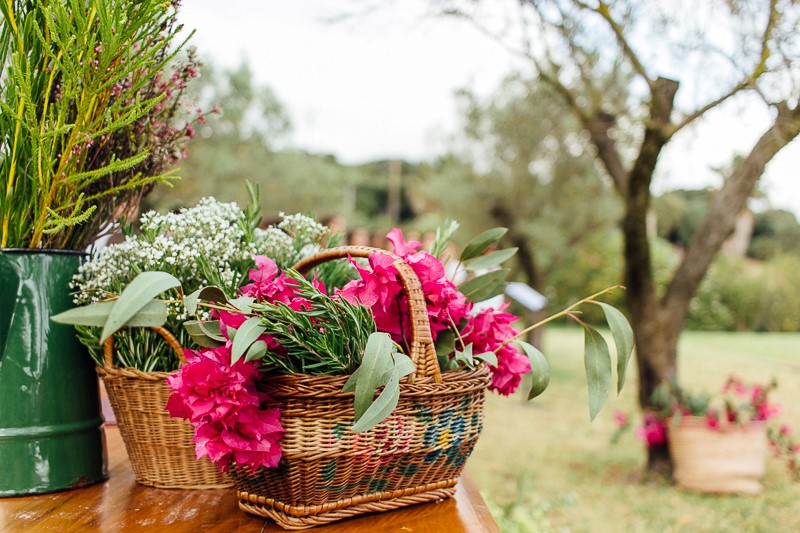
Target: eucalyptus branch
567,311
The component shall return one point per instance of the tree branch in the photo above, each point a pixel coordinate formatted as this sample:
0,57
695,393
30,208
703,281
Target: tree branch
604,11
749,81
726,206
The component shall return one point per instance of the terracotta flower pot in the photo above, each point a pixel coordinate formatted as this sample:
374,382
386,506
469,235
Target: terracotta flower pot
730,459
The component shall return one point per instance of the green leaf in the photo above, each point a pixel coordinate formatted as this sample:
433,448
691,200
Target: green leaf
212,294
597,361
256,350
246,334
404,364
487,357
212,328
190,302
135,297
485,286
382,406
623,339
243,303
491,260
200,334
350,384
444,343
465,356
481,243
540,369
154,313
376,361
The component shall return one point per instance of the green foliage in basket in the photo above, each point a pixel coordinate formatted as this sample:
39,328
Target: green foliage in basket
211,243
88,116
323,336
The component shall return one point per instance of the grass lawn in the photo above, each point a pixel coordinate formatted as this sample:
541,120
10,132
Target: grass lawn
543,467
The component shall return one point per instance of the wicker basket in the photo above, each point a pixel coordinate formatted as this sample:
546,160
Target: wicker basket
416,455
159,447
726,460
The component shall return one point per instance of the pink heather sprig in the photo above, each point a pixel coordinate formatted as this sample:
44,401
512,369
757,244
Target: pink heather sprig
223,404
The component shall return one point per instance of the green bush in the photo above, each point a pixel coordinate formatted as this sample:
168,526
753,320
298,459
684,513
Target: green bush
743,295
597,263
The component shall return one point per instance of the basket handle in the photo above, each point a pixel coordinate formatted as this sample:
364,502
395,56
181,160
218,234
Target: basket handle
108,346
423,353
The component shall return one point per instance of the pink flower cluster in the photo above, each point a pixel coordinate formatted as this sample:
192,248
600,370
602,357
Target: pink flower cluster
756,403
224,406
267,284
741,403
381,289
487,331
653,430
221,400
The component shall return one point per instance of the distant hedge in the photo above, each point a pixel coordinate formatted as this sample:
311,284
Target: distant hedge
737,294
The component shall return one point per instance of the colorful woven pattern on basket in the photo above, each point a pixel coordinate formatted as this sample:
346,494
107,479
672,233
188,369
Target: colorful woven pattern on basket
428,437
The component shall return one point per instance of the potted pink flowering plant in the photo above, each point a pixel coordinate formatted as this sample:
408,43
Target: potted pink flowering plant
719,446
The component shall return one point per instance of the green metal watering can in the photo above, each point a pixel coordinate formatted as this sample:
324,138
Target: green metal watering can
51,429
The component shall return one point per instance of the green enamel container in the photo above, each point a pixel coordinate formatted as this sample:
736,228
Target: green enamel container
51,429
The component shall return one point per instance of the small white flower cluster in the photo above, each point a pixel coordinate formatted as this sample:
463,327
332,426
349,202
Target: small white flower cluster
211,232
302,228
173,243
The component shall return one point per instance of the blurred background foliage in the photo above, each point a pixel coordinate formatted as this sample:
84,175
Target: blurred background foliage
518,162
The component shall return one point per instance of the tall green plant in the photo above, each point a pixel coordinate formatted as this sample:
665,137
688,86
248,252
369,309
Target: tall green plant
78,98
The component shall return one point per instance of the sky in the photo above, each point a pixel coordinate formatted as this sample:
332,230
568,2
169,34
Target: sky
381,85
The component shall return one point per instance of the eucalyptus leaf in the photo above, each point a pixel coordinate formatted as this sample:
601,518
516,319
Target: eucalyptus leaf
200,336
246,334
445,342
404,364
243,303
465,356
213,329
256,350
382,407
154,313
490,260
350,384
135,297
190,302
540,369
377,359
212,294
487,357
597,361
481,242
622,333
485,286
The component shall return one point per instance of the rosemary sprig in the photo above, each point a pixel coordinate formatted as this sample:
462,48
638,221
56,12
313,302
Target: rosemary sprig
327,337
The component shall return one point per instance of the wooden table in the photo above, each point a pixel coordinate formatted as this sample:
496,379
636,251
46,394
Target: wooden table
120,504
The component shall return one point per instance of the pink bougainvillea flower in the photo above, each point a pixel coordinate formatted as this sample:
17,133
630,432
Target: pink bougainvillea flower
223,404
399,245
621,419
487,331
380,288
653,431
